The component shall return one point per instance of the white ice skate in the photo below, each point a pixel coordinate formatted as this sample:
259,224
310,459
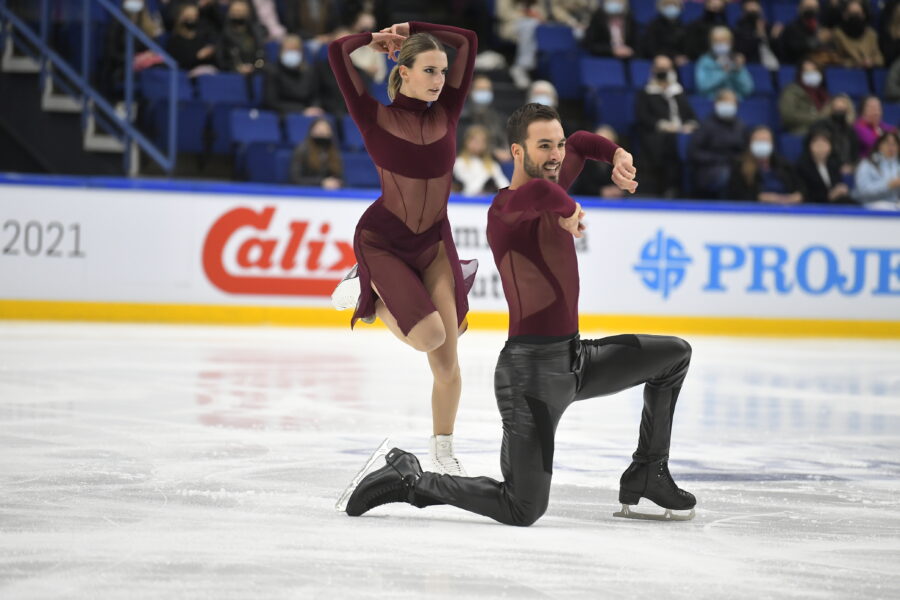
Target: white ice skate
443,460
375,462
669,515
346,294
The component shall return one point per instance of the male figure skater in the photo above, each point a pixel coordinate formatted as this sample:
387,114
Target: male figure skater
545,366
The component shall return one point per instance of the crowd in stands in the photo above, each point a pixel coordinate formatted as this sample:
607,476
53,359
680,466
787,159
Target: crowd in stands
719,100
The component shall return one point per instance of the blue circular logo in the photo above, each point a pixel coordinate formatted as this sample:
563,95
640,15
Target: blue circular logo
663,264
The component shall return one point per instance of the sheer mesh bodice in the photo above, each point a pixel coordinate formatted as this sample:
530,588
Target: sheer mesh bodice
535,256
412,142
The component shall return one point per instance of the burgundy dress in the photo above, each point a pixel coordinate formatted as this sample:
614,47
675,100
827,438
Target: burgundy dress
413,146
535,256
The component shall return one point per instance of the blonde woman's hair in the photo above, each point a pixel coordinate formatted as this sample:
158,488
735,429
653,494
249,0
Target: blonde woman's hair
487,158
413,46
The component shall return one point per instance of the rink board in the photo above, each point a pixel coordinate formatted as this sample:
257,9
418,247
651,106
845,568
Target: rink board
154,251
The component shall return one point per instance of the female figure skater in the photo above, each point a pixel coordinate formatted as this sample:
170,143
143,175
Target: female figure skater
408,272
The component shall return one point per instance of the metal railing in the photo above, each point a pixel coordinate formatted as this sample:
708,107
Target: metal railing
90,98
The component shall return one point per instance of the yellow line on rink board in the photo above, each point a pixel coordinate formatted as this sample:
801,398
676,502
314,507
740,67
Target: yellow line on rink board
327,317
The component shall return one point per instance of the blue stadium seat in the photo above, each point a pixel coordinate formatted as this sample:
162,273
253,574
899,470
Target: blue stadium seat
602,73
762,80
228,88
692,11
379,92
790,146
703,106
259,163
252,125
352,138
283,158
686,75
844,80
154,84
879,80
639,71
891,113
756,111
359,171
273,52
687,183
783,12
615,108
190,129
786,75
296,126
733,13
643,11
555,38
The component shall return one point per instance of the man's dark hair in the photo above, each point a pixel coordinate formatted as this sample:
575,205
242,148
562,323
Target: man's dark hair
517,125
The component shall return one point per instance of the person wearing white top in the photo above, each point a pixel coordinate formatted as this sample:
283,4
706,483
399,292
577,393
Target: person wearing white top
878,176
475,169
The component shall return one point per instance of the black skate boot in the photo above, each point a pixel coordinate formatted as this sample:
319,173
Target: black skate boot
393,482
654,482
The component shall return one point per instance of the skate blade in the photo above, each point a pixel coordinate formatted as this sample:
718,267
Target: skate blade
669,515
373,464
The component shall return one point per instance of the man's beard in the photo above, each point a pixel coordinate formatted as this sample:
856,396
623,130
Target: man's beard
536,171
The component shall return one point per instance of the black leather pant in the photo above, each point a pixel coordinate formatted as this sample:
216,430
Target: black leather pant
535,384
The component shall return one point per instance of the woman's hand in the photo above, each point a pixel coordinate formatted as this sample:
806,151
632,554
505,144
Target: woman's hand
398,29
573,224
623,171
386,43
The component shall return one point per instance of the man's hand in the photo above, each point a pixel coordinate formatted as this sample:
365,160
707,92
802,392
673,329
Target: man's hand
573,224
623,171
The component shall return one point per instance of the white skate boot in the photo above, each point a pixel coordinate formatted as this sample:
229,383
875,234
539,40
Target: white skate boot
443,460
346,294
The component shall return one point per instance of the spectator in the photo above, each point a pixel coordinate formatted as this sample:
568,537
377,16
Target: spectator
316,161
666,34
612,31
869,126
267,16
112,67
716,145
763,176
819,170
311,19
596,177
698,31
213,16
892,85
368,61
804,37
889,38
478,111
189,47
241,46
663,112
878,176
543,92
838,124
517,23
855,42
292,85
722,68
753,36
803,102
475,169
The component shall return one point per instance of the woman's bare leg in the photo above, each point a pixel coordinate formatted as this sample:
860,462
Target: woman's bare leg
425,336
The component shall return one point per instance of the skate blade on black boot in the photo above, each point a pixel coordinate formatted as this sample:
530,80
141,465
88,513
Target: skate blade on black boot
659,488
668,515
375,462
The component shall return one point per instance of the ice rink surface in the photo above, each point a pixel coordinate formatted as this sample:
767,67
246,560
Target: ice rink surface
199,462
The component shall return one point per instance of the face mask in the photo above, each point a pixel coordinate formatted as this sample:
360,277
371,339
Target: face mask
809,13
839,117
482,96
190,25
726,110
545,99
322,142
854,26
661,76
670,11
133,6
761,149
614,8
238,22
721,48
291,58
752,17
811,78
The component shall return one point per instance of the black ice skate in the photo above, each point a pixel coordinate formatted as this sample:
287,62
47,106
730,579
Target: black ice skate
653,482
374,486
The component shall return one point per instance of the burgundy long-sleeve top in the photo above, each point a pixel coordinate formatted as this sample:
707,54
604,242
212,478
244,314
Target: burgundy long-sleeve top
412,142
535,256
